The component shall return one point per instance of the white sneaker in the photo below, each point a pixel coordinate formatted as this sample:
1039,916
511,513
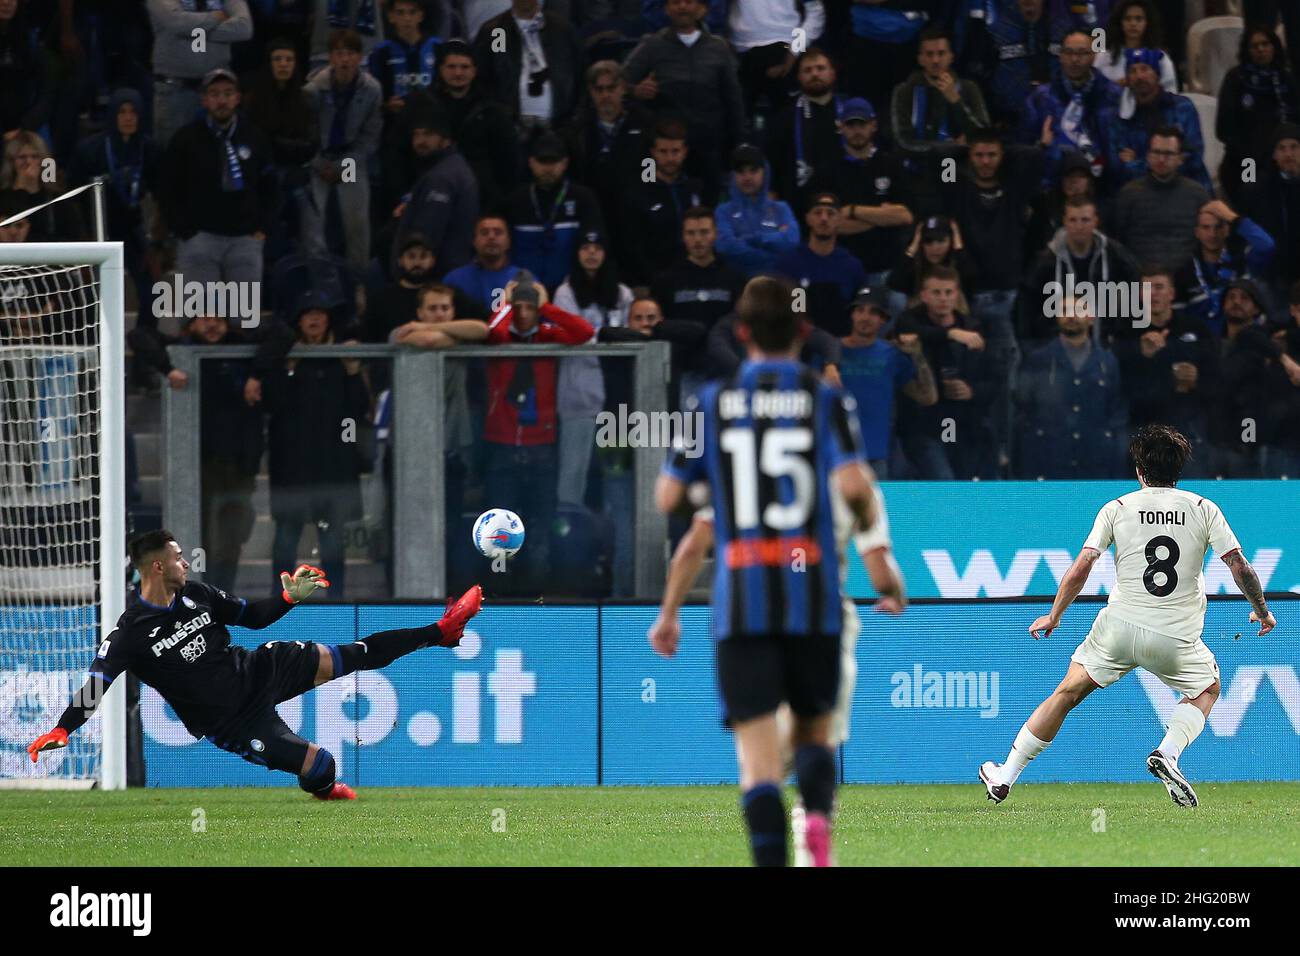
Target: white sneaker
1165,769
799,830
993,785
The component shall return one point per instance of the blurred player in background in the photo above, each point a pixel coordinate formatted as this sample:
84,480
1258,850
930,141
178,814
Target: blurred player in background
776,445
1155,614
173,637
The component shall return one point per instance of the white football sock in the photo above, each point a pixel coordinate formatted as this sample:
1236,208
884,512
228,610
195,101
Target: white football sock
1025,749
1185,725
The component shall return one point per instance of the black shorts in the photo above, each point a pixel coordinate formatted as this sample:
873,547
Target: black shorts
278,671
757,673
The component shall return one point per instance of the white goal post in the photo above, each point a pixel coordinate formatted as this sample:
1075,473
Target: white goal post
62,504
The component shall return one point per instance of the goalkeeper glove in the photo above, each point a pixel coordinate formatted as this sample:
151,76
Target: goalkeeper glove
56,738
304,581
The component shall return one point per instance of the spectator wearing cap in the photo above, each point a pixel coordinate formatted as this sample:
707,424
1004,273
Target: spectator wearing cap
1048,207
520,432
230,435
315,475
219,189
948,439
1256,95
1230,246
178,68
1274,203
1020,55
1079,253
652,211
1071,114
936,241
444,202
346,103
607,140
873,185
933,112
1257,390
1169,369
486,276
397,303
1155,216
1072,411
1134,25
1152,108
761,32
686,72
874,370
591,290
700,286
804,138
537,75
754,230
549,214
131,162
480,126
827,273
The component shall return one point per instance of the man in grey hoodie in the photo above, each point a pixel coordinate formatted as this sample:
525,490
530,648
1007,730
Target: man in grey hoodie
346,102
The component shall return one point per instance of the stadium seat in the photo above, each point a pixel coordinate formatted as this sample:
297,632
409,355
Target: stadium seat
1207,108
1211,51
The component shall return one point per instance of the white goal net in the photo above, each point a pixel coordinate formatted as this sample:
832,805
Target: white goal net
62,506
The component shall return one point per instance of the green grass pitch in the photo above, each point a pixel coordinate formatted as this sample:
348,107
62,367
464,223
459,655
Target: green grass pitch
1042,824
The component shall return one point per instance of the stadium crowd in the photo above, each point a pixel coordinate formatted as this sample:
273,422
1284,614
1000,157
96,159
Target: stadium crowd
926,171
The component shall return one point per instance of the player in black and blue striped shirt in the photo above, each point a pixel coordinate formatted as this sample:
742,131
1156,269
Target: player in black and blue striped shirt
773,438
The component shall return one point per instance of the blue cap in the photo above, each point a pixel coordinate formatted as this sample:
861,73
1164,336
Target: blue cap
1150,57
857,109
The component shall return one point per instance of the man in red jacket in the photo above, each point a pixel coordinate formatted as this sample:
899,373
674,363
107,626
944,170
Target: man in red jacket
521,420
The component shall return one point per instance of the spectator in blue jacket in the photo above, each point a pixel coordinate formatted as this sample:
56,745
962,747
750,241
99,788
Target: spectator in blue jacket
1072,410
1153,107
827,274
1021,46
754,230
1229,247
1073,112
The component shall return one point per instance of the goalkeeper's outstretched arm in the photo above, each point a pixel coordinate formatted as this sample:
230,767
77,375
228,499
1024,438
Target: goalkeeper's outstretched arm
81,709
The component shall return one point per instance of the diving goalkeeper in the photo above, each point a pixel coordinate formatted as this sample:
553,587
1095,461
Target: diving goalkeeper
173,637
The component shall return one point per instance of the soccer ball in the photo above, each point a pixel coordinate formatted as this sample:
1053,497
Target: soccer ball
498,533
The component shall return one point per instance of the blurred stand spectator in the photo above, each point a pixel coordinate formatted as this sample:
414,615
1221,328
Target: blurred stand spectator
935,242
520,434
1152,109
1079,250
219,189
28,73
948,439
314,405
1135,25
762,33
363,17
687,73
873,185
480,126
1229,247
531,61
754,230
591,290
651,210
550,213
28,170
820,350
11,204
874,370
1256,95
826,273
1048,207
443,204
607,140
1155,216
486,276
230,437
131,163
882,45
396,304
1266,12
405,62
346,103
803,137
1169,370
1071,406
1072,114
1021,58
700,286
274,102
180,63
1274,203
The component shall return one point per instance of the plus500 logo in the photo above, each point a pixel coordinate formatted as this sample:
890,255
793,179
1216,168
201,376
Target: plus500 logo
505,688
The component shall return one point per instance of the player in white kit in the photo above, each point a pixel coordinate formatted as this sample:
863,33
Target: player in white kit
1155,614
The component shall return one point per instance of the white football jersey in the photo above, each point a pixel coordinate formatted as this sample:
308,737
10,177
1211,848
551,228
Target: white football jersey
1161,536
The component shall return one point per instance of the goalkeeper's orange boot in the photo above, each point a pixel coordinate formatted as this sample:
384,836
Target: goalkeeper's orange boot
457,616
340,791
